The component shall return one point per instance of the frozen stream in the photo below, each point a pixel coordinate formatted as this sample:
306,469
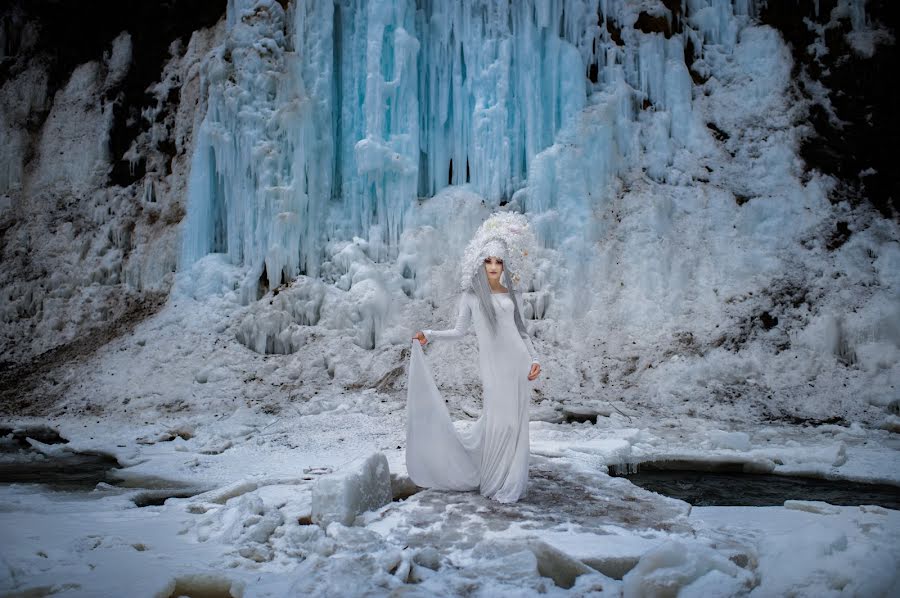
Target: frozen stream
226,449
577,532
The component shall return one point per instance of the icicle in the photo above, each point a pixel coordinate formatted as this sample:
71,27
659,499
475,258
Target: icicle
148,194
857,14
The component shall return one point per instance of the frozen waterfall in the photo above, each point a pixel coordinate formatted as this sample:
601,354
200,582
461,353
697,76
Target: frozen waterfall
327,120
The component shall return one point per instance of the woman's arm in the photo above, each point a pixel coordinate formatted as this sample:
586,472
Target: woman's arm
463,320
526,338
529,345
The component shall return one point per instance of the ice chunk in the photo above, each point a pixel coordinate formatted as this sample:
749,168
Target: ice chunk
738,441
221,495
714,584
878,510
673,565
362,486
557,565
812,506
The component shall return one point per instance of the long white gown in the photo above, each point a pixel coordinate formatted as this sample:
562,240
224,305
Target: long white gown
492,455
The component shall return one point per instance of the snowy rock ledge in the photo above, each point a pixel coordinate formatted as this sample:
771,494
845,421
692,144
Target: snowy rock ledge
341,496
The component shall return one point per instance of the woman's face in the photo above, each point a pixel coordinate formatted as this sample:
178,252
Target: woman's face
493,266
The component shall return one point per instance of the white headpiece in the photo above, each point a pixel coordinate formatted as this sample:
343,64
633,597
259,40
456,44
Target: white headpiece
505,235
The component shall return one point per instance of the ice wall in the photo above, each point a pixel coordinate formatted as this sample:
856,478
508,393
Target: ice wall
247,198
327,120
639,115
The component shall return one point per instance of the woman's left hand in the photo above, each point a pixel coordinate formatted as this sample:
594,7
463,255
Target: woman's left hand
535,370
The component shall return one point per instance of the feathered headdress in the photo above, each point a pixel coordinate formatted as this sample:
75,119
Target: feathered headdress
506,235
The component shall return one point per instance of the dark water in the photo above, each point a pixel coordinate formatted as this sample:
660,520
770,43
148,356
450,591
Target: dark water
732,488
70,471
20,463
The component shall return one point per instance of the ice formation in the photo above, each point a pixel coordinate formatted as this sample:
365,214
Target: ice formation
328,120
358,145
360,487
656,148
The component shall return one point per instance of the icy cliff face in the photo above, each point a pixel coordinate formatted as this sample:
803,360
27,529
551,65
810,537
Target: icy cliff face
335,157
96,120
654,146
327,120
333,128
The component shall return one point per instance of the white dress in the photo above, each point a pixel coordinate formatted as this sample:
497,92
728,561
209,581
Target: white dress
492,455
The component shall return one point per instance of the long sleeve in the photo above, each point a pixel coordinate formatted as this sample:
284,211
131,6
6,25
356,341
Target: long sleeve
529,345
463,321
526,338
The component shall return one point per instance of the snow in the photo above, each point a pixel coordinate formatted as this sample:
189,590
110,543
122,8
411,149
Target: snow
257,470
82,254
810,551
313,147
253,527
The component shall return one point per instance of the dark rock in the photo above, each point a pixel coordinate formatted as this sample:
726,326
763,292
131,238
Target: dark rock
650,24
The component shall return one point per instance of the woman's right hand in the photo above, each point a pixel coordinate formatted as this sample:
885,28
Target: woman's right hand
420,336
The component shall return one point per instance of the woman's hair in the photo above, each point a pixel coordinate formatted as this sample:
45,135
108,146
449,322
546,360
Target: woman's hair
482,290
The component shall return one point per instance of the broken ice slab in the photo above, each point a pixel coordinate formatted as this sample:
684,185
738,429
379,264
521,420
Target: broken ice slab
812,506
362,486
544,413
676,567
317,470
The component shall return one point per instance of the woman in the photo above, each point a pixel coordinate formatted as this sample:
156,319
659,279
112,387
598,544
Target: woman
492,455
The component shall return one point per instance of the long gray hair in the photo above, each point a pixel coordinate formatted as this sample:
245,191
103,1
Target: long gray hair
482,290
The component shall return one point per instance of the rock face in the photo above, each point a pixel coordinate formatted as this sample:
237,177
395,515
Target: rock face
98,108
341,496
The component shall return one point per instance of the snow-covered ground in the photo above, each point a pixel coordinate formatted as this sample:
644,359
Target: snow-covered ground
182,406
